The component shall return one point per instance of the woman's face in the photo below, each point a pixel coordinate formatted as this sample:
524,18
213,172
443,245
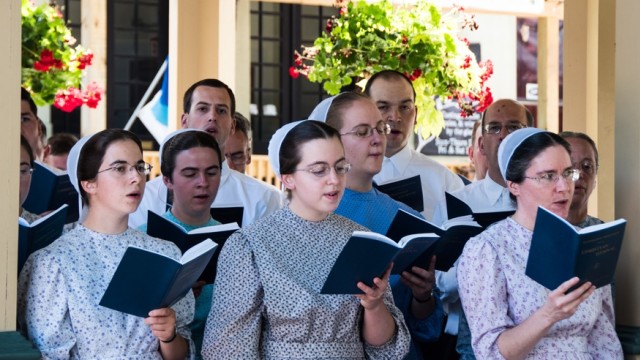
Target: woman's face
316,187
118,187
25,174
553,196
196,178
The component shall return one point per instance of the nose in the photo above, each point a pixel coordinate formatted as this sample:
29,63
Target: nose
564,184
202,179
333,177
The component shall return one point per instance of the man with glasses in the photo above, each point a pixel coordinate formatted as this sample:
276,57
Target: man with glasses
209,106
393,94
489,194
238,147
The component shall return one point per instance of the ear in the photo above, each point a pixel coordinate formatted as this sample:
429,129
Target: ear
249,157
183,121
481,145
89,186
233,125
167,182
470,152
46,152
513,187
288,181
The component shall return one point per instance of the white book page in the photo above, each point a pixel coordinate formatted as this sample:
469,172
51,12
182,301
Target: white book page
197,250
375,236
215,228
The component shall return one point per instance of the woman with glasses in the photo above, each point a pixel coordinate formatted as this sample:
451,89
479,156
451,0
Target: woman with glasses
267,301
510,315
26,170
190,164
363,133
60,286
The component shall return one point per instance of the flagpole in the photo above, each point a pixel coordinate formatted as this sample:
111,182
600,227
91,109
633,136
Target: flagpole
146,95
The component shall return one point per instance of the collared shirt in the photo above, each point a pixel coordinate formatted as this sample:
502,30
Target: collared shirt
258,198
435,178
481,195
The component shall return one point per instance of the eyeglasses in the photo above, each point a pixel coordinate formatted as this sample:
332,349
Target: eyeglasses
364,131
496,128
25,170
123,168
322,170
551,178
586,167
238,158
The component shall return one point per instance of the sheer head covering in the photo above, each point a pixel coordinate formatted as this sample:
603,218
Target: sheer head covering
322,109
171,136
509,145
276,142
73,159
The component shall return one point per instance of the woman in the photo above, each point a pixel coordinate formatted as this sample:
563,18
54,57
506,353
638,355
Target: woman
190,164
26,170
61,285
266,303
510,315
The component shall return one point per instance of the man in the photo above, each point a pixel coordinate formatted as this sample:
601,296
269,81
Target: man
30,124
57,150
499,120
209,105
393,94
477,158
238,147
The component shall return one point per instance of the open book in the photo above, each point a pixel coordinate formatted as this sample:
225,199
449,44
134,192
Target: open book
367,254
453,235
158,226
40,233
405,190
559,251
228,214
458,208
50,189
145,280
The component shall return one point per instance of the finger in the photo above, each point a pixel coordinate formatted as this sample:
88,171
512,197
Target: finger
432,266
367,290
162,312
387,272
565,286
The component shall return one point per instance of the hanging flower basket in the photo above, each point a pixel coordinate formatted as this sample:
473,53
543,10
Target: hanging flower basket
418,40
52,63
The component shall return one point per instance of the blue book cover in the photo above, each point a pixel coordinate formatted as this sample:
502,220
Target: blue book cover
158,226
407,191
50,189
39,234
145,280
453,234
560,251
367,254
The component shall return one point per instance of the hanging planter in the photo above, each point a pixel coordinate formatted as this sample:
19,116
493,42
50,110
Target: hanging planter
418,40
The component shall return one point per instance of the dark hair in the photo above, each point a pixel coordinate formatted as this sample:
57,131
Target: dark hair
290,156
214,83
388,75
61,143
185,141
527,113
26,96
25,145
339,104
528,150
583,136
243,125
93,151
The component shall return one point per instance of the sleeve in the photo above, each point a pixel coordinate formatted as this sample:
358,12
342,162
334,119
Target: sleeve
398,346
483,291
427,329
233,328
453,182
439,213
42,307
603,342
185,309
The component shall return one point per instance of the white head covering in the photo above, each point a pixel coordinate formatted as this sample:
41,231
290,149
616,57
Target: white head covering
322,109
170,136
72,161
509,145
276,142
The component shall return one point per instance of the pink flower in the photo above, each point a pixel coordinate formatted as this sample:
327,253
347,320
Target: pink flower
84,60
293,72
69,99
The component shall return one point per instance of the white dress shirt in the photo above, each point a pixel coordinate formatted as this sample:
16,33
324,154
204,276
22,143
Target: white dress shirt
435,178
236,189
482,195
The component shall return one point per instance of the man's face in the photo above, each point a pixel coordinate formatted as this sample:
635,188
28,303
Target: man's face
237,152
506,114
583,158
211,111
30,127
394,99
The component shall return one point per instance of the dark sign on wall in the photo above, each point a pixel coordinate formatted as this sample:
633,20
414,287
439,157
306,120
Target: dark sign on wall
455,138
